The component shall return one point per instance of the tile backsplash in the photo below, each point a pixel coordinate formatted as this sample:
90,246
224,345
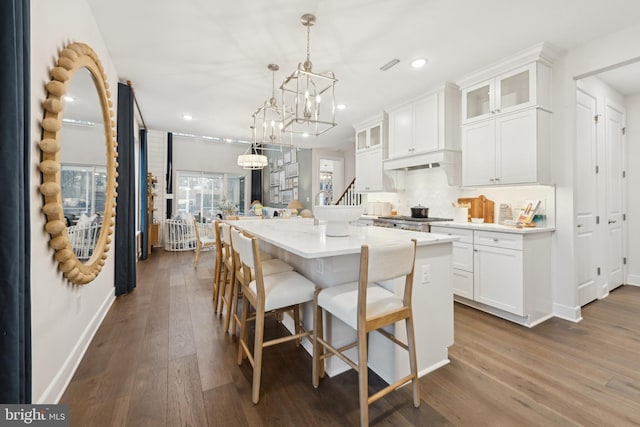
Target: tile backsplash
429,187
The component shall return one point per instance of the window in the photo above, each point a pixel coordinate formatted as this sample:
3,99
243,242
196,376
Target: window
200,193
83,190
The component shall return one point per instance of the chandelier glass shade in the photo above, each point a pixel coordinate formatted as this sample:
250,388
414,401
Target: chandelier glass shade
269,119
308,98
252,159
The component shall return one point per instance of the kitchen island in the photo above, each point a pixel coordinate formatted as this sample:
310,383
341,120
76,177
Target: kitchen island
330,261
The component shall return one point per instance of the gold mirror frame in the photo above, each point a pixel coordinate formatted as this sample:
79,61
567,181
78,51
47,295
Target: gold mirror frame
73,57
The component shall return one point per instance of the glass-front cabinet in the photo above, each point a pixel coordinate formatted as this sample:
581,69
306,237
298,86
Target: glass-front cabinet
371,134
508,92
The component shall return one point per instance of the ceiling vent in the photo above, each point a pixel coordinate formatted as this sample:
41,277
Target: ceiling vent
389,64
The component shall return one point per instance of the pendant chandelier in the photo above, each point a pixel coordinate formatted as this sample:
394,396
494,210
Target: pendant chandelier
268,120
252,159
307,97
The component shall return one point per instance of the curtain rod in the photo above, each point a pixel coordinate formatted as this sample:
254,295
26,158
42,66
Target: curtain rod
135,100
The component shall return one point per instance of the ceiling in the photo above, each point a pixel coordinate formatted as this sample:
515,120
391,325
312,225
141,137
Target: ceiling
208,59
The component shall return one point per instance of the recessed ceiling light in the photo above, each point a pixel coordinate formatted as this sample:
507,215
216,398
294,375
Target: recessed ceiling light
69,98
187,117
341,106
418,63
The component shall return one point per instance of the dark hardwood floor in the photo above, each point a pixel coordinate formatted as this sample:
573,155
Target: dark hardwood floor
160,358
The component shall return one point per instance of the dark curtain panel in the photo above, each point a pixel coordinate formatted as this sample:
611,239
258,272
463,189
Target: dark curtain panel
144,206
169,176
15,262
256,186
125,235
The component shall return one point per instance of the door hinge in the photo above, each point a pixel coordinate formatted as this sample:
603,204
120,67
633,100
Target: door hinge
624,131
624,260
598,271
595,118
597,220
597,169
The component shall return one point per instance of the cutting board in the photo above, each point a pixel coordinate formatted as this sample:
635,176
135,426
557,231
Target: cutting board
480,207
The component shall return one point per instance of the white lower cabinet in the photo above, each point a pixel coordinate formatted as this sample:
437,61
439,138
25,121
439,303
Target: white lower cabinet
497,278
506,274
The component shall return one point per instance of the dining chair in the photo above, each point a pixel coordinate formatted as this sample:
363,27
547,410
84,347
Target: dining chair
269,266
277,292
202,242
367,306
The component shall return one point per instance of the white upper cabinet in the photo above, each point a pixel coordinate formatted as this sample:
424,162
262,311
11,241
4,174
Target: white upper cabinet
506,121
414,128
371,133
371,147
511,91
426,131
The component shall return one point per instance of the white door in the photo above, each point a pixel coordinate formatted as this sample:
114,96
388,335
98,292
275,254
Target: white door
498,278
425,124
516,147
614,116
401,132
586,199
479,153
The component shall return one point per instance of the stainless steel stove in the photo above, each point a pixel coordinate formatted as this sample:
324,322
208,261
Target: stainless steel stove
407,222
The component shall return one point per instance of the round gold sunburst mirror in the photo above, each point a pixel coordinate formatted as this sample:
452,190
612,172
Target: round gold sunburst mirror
79,163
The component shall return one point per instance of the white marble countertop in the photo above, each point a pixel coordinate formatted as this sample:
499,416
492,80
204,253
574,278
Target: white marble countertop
303,238
494,227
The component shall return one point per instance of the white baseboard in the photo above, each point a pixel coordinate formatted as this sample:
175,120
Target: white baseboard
572,314
633,279
53,393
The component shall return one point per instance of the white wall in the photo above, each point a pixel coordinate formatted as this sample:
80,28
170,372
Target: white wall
633,183
64,316
581,61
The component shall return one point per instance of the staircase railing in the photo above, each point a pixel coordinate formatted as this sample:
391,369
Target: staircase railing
350,197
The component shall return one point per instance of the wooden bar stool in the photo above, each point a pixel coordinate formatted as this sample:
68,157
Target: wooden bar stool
277,292
366,306
202,242
269,266
217,271
228,269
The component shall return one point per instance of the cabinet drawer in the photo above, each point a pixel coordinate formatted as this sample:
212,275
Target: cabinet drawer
499,240
463,283
466,236
462,256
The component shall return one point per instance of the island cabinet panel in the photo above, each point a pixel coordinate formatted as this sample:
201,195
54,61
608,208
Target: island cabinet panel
329,261
504,273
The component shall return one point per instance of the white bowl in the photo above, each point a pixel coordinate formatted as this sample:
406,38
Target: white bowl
337,217
477,220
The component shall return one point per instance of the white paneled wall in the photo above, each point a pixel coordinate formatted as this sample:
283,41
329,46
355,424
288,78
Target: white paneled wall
157,152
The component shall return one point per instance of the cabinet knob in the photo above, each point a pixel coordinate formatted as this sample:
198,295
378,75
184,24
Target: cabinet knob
496,240
497,110
492,179
475,250
612,221
497,179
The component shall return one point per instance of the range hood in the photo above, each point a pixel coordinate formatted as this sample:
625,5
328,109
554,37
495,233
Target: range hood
447,160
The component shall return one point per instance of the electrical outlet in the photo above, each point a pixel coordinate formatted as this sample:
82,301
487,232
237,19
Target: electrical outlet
426,274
